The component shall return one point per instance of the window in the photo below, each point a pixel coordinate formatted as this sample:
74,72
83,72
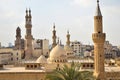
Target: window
17,58
84,65
35,66
17,53
11,54
87,65
91,65
11,59
31,66
27,66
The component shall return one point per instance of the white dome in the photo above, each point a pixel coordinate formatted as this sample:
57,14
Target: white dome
41,59
57,53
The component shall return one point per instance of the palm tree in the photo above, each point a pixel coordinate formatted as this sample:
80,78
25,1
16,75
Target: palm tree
70,73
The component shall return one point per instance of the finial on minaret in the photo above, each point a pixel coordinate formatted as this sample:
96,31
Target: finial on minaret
26,12
97,1
53,26
18,32
29,12
26,16
98,11
68,31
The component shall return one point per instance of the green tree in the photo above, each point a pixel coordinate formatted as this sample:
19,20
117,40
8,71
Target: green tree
70,73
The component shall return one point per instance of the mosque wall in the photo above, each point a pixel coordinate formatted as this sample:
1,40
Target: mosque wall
23,76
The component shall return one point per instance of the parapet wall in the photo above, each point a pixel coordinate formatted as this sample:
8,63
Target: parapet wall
22,76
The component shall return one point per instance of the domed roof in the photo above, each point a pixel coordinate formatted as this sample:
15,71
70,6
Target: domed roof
67,48
41,59
57,52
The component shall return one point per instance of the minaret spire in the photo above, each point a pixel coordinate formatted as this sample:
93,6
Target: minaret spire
26,16
54,36
98,11
18,38
68,38
30,15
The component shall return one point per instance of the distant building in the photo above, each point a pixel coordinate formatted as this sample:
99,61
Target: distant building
77,48
10,45
109,51
10,55
5,57
40,46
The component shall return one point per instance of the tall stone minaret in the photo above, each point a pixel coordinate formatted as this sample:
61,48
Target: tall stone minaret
28,36
98,38
54,37
68,39
18,38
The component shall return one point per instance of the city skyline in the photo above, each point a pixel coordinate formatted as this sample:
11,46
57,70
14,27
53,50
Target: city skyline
73,15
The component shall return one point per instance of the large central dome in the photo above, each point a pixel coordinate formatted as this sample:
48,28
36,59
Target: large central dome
57,54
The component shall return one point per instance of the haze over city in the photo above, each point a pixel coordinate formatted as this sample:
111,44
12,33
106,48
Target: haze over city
73,15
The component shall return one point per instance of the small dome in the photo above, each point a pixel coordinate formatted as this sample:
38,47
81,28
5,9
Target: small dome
41,59
57,53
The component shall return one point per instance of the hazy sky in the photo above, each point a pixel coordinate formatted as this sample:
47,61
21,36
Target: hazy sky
73,15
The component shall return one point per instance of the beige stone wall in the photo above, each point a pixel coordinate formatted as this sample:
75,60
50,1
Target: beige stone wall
23,76
15,56
37,52
113,75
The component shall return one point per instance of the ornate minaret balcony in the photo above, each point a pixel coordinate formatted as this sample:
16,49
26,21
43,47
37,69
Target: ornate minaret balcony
98,38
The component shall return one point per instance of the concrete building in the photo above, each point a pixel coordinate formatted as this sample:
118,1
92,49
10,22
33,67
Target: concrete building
5,57
13,56
77,48
40,46
110,52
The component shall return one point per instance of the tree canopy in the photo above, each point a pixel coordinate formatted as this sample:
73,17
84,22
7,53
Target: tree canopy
70,73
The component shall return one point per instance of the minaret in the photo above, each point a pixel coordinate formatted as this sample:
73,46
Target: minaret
18,38
98,38
68,39
54,37
28,36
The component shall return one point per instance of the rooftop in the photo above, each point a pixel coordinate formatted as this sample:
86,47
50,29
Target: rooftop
18,70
